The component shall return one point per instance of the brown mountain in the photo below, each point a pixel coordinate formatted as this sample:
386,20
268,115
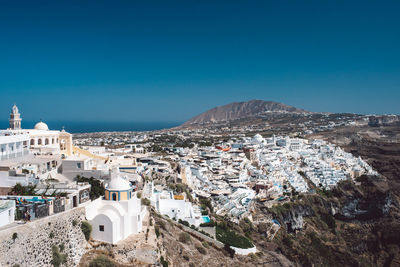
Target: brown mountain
239,110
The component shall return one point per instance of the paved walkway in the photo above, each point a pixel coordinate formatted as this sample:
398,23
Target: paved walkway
196,233
11,225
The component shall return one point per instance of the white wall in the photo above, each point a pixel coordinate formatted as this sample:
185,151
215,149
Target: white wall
109,234
242,251
7,215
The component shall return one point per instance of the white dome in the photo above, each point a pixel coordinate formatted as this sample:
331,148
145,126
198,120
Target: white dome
119,184
257,139
41,126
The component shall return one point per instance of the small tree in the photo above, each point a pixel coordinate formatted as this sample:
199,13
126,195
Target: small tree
86,229
58,258
184,237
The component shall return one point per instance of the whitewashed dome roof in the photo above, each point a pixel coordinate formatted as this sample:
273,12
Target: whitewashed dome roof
119,184
257,138
41,126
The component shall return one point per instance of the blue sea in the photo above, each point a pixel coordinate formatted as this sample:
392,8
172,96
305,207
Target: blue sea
90,127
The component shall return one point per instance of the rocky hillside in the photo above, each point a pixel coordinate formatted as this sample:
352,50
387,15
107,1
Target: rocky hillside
356,224
240,110
353,225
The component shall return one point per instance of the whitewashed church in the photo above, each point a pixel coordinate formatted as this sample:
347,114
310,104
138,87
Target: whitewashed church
118,214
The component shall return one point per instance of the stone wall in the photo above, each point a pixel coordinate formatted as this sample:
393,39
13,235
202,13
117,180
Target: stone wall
34,241
59,205
41,210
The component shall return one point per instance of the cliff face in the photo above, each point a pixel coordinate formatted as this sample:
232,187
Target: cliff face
353,225
377,121
240,110
33,242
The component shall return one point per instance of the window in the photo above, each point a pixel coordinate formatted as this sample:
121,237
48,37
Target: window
101,228
78,165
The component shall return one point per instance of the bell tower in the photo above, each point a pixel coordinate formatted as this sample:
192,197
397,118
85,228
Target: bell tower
15,119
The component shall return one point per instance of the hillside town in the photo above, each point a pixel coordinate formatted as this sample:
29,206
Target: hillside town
232,171
193,177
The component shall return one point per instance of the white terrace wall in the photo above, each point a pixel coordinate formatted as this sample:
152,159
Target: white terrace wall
244,251
33,245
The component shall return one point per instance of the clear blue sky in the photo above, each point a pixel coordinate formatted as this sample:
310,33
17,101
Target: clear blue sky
168,61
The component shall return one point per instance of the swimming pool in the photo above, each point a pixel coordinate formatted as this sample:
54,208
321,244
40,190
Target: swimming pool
206,219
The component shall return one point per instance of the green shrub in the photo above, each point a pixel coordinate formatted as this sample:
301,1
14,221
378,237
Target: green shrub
157,230
329,220
205,244
230,238
246,226
185,223
163,262
145,201
14,236
86,229
211,223
97,189
161,224
51,235
184,237
58,258
74,223
20,190
204,233
101,261
202,250
206,202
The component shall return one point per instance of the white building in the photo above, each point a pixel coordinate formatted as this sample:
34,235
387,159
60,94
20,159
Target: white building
175,206
7,210
117,215
41,139
13,146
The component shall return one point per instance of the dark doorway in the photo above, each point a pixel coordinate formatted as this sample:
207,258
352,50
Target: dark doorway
74,201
